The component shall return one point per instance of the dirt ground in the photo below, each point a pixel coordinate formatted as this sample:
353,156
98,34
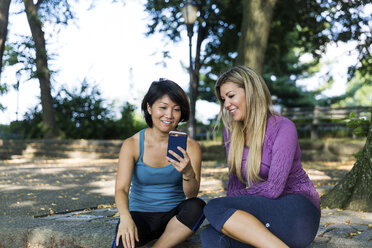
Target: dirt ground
35,187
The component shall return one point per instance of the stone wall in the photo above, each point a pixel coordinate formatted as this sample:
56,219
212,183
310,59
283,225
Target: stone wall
311,150
60,148
320,150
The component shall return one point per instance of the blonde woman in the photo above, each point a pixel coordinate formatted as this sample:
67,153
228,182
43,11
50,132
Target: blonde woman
270,200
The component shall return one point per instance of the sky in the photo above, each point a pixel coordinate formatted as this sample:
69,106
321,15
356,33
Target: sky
107,46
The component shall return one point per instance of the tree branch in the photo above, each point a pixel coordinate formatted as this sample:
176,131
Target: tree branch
39,3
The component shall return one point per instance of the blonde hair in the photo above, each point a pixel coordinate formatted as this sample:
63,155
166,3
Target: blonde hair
258,102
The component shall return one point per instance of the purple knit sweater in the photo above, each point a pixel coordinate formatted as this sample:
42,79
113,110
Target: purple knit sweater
281,167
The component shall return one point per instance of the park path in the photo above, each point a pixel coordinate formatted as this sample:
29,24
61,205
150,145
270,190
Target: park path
80,191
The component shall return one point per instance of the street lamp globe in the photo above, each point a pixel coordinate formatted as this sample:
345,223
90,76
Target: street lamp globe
189,12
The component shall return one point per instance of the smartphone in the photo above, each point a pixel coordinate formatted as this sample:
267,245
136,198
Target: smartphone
176,138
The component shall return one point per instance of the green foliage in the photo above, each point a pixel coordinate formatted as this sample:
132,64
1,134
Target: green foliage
21,52
360,127
55,12
5,132
358,91
128,124
81,114
3,90
30,127
215,20
298,28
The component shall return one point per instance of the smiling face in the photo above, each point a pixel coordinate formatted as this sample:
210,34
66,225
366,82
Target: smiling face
234,101
165,114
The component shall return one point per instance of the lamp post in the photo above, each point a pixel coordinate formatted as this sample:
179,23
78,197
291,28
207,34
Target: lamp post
18,77
189,13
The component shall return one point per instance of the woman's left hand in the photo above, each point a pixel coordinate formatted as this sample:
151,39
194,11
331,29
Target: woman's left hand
184,164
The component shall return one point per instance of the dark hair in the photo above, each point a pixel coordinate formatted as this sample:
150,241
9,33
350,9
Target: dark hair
166,87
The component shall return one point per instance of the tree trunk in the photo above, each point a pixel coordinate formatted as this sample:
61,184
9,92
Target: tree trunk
4,15
43,73
354,191
194,87
255,29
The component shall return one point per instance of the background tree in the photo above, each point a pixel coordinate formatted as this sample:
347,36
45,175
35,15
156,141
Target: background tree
254,35
34,13
81,113
354,190
4,16
166,16
129,123
38,12
297,28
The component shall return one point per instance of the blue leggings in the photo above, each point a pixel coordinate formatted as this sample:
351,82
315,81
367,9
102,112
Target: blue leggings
292,218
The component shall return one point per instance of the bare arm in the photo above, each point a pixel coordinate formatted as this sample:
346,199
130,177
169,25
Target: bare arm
127,227
191,180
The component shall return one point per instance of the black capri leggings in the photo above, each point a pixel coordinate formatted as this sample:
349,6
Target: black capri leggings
151,225
292,218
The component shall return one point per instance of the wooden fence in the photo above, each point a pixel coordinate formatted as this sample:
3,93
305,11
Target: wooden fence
317,119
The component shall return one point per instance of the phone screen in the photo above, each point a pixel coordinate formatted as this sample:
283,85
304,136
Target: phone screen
176,138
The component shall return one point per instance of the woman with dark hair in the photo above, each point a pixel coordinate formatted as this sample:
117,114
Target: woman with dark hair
151,188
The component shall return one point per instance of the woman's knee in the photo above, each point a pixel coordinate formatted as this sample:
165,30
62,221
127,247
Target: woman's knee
303,232
299,240
214,206
194,205
191,213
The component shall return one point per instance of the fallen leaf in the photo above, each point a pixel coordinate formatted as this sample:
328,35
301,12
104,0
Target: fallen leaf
352,234
327,224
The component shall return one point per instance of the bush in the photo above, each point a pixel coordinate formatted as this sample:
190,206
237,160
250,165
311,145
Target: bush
80,114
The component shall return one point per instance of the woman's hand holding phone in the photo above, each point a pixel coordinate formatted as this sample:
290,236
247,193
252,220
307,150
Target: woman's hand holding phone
183,165
180,160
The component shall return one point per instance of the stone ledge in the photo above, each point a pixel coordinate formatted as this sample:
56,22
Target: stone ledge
50,233
30,232
95,229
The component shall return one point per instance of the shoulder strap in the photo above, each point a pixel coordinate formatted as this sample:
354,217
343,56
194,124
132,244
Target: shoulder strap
142,143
